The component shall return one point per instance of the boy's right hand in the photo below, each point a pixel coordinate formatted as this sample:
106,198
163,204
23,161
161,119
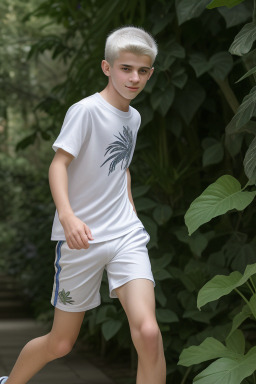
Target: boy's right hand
77,233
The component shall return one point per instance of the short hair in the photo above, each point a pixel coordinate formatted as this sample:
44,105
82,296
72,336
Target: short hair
132,39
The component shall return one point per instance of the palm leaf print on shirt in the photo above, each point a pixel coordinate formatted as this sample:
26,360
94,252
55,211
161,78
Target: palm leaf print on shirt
121,149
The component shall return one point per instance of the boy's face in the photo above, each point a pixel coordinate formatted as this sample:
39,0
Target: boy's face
129,74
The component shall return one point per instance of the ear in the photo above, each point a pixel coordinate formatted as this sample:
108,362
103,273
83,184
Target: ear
105,66
151,72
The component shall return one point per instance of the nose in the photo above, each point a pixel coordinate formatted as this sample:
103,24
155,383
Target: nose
134,77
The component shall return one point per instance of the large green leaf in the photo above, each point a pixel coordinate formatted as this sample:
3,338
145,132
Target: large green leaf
151,228
236,342
159,267
250,162
244,40
240,318
166,316
188,100
209,349
146,113
179,77
199,63
217,287
166,100
236,15
189,9
144,204
228,371
249,73
161,23
213,154
222,3
197,242
155,98
161,262
241,121
220,197
199,316
161,275
221,285
104,313
175,49
221,64
162,213
140,191
252,305
163,100
233,143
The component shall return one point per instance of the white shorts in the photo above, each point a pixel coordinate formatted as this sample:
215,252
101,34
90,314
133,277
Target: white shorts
79,272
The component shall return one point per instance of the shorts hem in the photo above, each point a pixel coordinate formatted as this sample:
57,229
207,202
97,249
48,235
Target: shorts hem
127,280
73,309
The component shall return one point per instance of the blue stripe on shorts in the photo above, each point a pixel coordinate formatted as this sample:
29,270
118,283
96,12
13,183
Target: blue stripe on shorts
58,267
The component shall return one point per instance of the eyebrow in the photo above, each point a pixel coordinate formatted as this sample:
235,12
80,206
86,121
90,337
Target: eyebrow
130,66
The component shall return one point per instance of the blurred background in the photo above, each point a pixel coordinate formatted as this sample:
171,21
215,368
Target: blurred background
50,55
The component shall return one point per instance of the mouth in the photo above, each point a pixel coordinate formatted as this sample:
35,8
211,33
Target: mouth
133,88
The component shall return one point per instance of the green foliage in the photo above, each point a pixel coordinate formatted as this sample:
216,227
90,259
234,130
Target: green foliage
26,214
244,40
250,162
228,371
209,349
220,197
224,3
223,285
187,9
232,364
244,113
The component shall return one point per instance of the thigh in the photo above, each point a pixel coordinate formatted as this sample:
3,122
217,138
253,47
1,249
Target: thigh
138,300
66,325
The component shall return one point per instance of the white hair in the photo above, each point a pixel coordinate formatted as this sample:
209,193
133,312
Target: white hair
131,39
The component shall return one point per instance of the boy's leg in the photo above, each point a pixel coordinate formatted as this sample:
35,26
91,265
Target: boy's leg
138,300
38,352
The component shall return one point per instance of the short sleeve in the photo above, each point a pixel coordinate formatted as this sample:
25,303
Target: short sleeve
75,130
139,120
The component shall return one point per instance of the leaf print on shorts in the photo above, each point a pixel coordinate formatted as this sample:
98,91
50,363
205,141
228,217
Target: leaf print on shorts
121,149
65,298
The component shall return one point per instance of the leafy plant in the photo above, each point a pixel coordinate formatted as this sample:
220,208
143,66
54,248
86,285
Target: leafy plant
232,364
220,197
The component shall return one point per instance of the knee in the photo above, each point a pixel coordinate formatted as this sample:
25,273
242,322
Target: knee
60,348
148,334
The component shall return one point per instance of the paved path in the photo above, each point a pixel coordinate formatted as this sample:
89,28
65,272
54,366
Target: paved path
72,369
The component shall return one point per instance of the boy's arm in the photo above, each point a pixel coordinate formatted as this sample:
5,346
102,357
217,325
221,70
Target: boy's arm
129,189
77,232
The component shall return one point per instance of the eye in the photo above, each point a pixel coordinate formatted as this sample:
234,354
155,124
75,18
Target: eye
125,69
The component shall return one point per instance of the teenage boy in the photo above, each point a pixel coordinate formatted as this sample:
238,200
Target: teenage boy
96,224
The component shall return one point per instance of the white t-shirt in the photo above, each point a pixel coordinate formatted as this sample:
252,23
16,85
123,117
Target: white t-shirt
102,139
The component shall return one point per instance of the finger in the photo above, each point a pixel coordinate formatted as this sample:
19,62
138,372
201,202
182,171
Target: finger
70,243
88,232
84,239
77,241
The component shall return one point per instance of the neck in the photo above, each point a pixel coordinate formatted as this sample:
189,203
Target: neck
115,99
